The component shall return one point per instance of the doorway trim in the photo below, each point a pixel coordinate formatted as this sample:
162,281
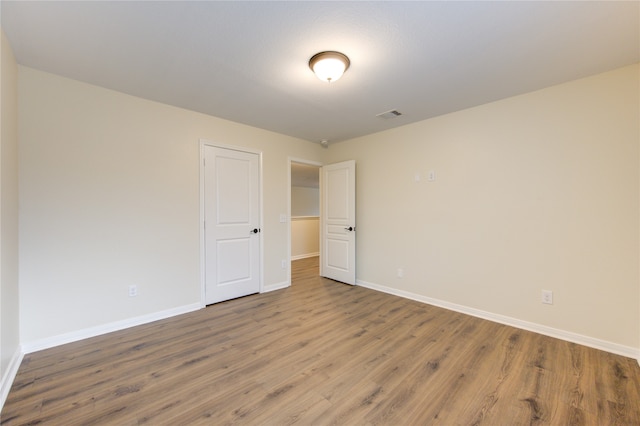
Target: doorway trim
299,161
202,144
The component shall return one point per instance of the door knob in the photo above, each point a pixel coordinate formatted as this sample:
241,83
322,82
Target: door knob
351,228
254,231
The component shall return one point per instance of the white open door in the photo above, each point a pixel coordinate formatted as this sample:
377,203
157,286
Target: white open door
338,222
232,223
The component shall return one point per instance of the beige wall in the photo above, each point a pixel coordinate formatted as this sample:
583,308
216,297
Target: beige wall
9,294
109,197
305,229
305,201
538,191
305,237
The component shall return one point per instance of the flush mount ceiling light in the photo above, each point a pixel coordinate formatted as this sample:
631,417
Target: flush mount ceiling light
329,66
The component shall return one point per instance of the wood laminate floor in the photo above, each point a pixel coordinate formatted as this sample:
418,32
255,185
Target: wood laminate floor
321,353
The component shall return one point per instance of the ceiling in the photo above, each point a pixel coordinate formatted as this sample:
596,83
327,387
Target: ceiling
248,61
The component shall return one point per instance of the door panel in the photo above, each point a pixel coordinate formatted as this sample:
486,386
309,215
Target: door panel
233,179
338,253
234,260
232,202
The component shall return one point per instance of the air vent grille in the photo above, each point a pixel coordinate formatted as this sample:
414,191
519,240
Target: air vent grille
389,114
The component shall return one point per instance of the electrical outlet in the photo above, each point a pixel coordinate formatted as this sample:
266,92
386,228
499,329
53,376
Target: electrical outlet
431,176
283,264
400,272
133,290
547,297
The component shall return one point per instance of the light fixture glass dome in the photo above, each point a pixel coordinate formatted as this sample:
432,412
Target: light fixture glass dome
329,66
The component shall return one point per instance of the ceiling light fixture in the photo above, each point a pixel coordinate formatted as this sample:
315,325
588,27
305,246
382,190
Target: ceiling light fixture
329,66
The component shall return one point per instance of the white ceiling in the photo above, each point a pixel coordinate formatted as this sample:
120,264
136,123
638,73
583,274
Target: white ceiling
248,61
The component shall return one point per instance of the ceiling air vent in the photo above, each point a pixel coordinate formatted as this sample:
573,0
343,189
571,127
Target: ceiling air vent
389,114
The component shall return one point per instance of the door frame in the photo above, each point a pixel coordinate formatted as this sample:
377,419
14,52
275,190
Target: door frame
202,144
310,163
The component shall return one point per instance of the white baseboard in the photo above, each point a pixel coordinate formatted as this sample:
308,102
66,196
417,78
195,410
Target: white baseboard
580,339
86,333
276,286
304,256
10,374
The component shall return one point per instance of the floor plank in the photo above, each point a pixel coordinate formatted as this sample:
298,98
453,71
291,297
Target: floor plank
324,353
